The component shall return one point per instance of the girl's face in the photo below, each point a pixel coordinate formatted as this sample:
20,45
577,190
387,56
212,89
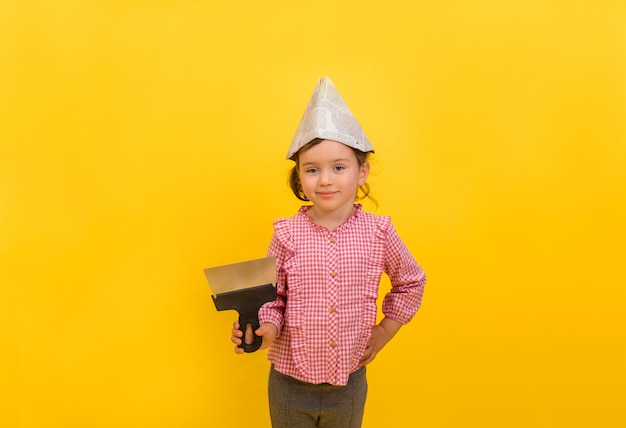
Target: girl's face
330,175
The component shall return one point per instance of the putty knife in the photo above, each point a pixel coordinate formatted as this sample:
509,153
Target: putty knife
244,287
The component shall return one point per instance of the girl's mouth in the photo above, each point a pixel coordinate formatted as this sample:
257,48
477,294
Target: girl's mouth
326,194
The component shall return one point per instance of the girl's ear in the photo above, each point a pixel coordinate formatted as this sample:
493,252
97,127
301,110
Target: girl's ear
364,172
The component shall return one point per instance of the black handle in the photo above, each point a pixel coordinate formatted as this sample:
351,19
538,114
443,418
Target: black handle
244,320
247,303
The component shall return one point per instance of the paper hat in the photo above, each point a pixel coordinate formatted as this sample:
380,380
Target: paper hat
328,117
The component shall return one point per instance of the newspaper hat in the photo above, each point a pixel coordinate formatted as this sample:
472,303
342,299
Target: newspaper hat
328,117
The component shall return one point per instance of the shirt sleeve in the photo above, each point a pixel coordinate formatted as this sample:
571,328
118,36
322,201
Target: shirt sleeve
407,280
274,312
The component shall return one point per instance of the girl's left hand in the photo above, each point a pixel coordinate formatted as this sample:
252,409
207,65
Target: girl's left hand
381,335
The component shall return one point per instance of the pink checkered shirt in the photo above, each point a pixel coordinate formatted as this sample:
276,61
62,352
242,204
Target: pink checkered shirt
327,290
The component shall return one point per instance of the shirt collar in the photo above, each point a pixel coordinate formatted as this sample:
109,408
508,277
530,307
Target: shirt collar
302,212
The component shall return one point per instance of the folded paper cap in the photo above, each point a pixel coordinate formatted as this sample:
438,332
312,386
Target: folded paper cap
328,117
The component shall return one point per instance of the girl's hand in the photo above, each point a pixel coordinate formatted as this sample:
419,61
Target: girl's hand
381,335
267,330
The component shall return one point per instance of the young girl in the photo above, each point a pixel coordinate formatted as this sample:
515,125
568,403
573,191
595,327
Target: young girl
321,330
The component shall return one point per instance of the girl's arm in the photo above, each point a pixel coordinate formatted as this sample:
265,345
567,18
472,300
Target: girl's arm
403,301
271,314
407,280
274,312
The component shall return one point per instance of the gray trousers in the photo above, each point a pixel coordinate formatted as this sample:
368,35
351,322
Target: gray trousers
296,404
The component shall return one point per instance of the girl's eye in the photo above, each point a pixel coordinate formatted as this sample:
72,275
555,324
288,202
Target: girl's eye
339,168
311,170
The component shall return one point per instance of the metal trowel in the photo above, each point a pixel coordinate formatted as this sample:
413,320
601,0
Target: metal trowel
244,287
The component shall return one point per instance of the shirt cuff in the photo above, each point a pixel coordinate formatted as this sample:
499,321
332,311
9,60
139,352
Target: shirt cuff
268,315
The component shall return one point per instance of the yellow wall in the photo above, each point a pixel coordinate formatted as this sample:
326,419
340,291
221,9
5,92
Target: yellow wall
141,141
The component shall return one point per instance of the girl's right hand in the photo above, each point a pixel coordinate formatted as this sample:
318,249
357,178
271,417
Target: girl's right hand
267,330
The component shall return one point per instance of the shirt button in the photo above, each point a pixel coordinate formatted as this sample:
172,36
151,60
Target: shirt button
331,239
333,274
333,344
333,310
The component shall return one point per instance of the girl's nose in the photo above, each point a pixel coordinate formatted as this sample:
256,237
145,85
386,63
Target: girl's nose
325,178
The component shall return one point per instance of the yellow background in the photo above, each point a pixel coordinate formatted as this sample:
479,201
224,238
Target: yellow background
144,140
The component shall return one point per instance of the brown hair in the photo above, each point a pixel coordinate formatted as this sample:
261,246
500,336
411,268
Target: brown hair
294,180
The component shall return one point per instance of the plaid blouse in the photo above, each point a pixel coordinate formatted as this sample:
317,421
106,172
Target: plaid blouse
327,285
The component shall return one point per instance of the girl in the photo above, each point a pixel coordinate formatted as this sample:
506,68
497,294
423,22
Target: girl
321,330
